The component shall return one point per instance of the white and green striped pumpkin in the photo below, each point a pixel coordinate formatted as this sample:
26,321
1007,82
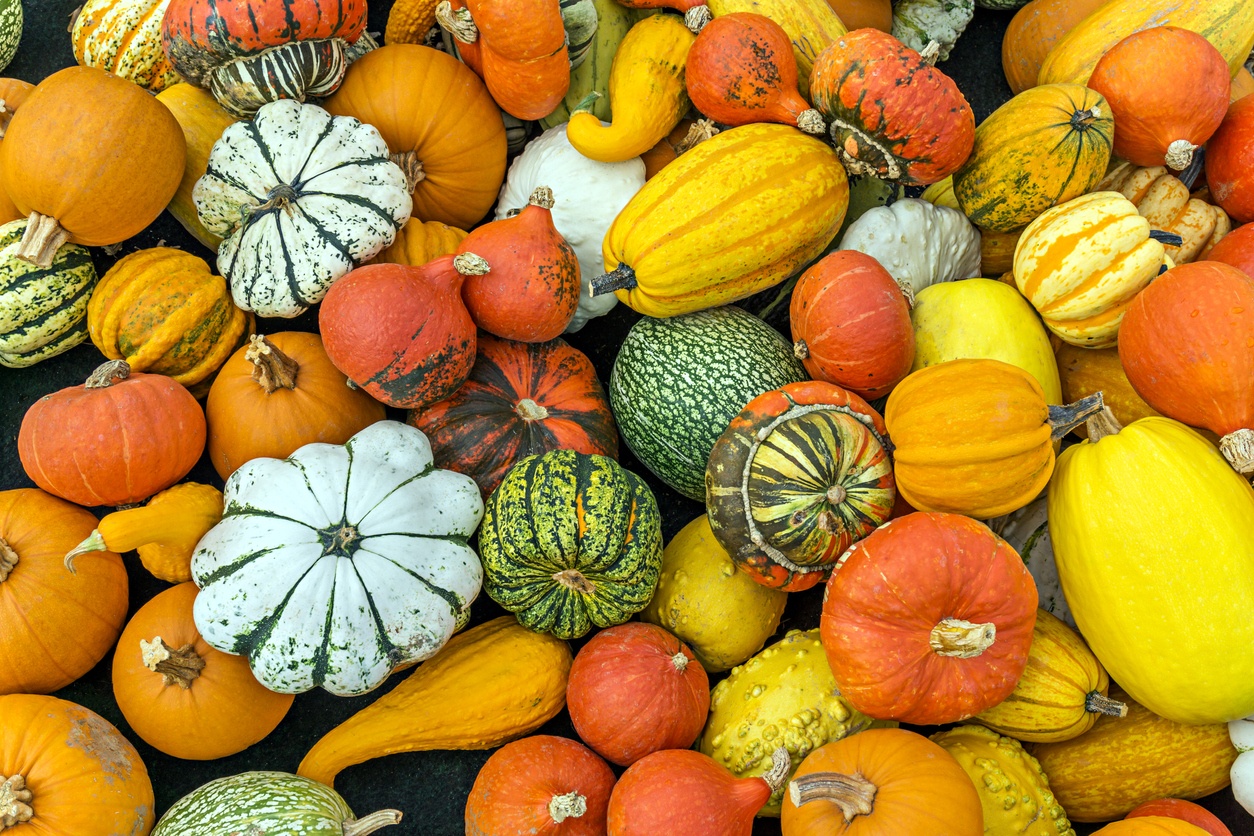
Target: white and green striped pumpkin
299,197
10,30
580,19
43,310
267,804
339,564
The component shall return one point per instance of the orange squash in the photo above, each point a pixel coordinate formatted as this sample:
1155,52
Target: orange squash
421,241
13,93
686,134
1242,85
864,14
1151,826
1033,32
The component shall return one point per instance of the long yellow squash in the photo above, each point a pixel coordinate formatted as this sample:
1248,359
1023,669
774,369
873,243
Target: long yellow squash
489,685
811,26
1153,534
736,214
1227,24
203,120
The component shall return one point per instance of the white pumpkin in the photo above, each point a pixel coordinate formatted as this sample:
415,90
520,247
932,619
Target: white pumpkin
299,197
1027,530
918,243
587,196
335,566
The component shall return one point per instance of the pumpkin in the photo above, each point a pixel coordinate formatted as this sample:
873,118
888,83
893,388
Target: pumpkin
542,785
1125,761
491,684
1084,371
861,14
1032,33
254,52
399,545
1152,826
400,333
811,25
1235,249
149,432
681,791
954,603
975,436
917,242
892,114
1042,148
798,476
180,695
410,21
635,689
43,311
278,393
521,399
1158,121
1189,352
203,120
124,37
851,324
1164,201
43,171
917,23
13,93
419,242
722,221
287,238
451,148
881,781
614,20
54,626
271,802
570,540
68,770
741,70
1228,158
1178,808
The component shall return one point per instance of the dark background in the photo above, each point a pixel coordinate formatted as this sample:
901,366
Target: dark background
429,787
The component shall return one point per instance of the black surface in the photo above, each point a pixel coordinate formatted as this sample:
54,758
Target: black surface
429,787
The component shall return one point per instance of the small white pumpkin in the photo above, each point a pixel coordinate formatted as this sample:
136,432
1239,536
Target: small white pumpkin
340,563
918,243
1027,530
918,22
587,196
299,197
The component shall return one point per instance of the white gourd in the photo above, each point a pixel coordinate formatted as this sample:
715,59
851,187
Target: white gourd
916,22
1241,733
918,243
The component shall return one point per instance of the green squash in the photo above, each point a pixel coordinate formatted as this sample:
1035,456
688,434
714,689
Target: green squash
267,804
43,310
571,540
579,17
10,30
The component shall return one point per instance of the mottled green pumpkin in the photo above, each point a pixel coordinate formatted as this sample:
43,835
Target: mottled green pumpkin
569,541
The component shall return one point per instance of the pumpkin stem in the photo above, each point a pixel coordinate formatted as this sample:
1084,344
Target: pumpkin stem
41,240
457,23
6,116
1082,119
853,794
411,166
107,374
178,667
94,543
8,559
698,132
573,579
371,823
1102,424
15,801
278,198
836,494
930,53
781,768
800,350
1063,419
272,369
963,639
572,805
1238,448
696,18
621,277
1180,154
529,410
810,121
1097,703
1168,238
907,290
542,197
469,264
341,539
680,661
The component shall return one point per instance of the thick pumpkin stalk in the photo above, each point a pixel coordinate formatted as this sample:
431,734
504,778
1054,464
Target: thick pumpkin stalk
457,22
956,637
41,240
1238,448
1097,703
371,823
15,802
178,667
853,794
572,805
8,560
271,368
1063,419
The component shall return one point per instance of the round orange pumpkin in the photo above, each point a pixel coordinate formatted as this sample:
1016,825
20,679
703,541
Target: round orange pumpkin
1236,248
1151,826
13,93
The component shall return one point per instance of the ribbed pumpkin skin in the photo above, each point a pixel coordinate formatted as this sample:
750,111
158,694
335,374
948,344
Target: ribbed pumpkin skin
736,214
892,114
599,539
13,92
203,120
1042,148
1230,159
124,37
419,241
811,25
798,476
521,399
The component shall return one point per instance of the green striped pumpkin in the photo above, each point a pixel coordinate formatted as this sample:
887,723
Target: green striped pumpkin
593,72
43,310
580,19
268,804
677,383
10,30
571,540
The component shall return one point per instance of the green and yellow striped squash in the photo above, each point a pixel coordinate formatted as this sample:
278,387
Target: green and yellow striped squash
571,540
43,310
593,74
1043,147
737,214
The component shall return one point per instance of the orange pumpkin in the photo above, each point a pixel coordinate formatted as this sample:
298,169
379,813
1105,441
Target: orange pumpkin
54,626
1033,32
421,241
864,14
1242,85
686,134
1151,826
1084,371
13,93
66,771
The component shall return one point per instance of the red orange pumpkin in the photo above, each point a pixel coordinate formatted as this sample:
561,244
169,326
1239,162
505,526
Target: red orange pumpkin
1230,161
1178,808
1236,248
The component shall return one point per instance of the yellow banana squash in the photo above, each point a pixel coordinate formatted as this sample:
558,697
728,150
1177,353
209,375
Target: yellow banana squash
738,213
648,95
811,26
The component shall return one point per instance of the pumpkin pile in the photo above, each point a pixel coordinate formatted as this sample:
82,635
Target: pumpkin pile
907,490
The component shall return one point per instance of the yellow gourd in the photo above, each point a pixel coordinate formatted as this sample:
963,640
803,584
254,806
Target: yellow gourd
648,96
409,21
489,685
811,26
941,193
164,532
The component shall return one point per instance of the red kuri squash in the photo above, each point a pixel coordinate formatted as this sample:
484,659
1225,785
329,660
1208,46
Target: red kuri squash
1230,161
1236,248
1178,808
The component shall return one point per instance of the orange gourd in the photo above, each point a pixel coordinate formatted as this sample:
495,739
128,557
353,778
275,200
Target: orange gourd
1151,826
864,14
1033,32
54,626
1178,808
1236,249
418,242
13,93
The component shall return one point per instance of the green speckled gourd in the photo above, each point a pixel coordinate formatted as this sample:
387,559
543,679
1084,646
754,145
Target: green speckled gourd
784,696
1014,790
1001,5
571,540
677,383
43,310
10,30
267,804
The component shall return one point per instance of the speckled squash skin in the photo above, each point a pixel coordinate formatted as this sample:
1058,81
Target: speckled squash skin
811,25
10,30
124,37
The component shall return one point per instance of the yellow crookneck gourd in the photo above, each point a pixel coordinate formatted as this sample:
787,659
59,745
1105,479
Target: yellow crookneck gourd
648,95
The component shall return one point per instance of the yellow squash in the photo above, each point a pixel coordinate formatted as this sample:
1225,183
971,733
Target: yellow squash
419,242
1227,24
648,95
489,685
203,120
1164,201
1084,371
983,318
1153,534
738,213
811,26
